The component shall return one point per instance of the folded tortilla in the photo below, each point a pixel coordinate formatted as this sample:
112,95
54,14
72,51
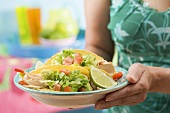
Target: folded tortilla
82,52
59,67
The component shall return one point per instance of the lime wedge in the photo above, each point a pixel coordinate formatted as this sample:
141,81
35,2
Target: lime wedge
100,79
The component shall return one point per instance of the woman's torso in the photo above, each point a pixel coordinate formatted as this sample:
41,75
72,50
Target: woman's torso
141,34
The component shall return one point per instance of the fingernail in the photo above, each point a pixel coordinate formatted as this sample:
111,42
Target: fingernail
98,106
131,79
110,98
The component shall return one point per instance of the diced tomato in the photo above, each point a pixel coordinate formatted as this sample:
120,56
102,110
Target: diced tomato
22,82
67,89
67,72
57,87
19,70
68,61
117,75
78,58
78,54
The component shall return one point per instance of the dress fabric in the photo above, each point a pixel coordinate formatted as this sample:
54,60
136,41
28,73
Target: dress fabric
141,34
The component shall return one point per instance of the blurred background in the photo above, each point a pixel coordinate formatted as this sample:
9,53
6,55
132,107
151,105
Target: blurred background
35,25
33,30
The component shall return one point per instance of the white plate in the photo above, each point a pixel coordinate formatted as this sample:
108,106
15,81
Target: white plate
72,99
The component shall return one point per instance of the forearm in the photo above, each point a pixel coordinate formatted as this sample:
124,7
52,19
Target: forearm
98,37
100,52
102,46
161,78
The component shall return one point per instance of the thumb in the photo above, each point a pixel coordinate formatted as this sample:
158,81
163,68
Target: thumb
135,72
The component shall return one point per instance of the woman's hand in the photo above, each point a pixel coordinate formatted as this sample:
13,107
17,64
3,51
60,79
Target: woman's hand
141,81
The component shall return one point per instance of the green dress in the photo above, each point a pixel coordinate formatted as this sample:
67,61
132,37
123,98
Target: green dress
141,34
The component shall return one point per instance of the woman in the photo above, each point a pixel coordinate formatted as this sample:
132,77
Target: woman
140,31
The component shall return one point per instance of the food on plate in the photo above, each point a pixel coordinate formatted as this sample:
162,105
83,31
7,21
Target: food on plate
101,79
78,57
57,78
71,70
117,75
66,78
81,58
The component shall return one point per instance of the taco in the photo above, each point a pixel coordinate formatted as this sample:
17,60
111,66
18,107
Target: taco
58,78
74,57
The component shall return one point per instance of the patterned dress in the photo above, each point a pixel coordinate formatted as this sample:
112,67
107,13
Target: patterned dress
141,34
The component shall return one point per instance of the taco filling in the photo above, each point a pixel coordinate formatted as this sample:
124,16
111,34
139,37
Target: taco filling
58,78
74,57
71,71
65,80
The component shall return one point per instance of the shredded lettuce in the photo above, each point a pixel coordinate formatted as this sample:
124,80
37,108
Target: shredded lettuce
60,57
89,61
49,83
75,80
49,75
67,52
